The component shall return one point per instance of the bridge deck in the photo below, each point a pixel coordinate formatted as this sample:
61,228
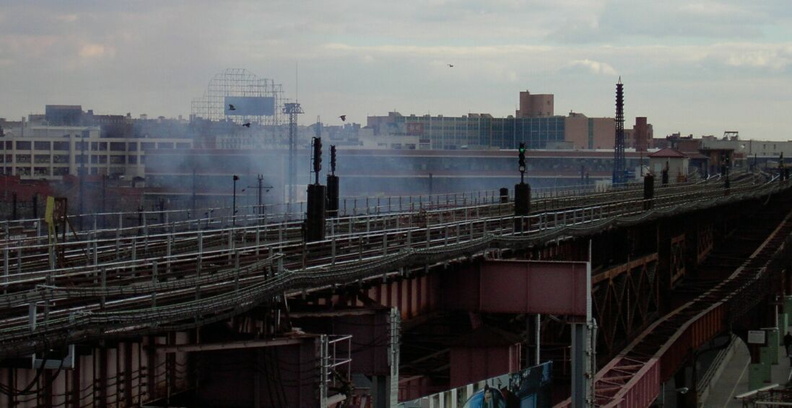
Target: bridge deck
109,284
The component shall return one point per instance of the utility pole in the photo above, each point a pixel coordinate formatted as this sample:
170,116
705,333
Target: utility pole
260,187
193,191
233,203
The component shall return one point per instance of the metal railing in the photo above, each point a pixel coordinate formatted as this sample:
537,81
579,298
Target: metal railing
151,283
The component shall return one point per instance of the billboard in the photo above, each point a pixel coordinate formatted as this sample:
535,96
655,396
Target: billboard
249,106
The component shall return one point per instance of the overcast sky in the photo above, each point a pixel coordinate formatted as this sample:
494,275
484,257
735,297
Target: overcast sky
695,67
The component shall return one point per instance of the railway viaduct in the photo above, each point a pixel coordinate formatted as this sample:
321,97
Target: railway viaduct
393,305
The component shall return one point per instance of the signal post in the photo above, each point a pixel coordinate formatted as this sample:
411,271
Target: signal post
522,195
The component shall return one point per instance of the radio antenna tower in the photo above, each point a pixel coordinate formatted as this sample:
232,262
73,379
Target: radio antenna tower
619,161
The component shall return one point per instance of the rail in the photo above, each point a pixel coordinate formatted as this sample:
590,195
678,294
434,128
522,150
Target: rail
127,286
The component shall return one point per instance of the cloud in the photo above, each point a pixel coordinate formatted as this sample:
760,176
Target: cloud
594,67
381,56
679,21
95,51
772,58
67,18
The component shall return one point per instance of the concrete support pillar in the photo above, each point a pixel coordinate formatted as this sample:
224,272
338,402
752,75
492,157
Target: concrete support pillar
772,344
581,375
380,392
758,373
787,309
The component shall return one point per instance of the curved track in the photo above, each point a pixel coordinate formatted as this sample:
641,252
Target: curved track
113,284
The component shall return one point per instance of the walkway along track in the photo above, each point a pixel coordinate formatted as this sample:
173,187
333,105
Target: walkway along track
183,291
634,377
99,246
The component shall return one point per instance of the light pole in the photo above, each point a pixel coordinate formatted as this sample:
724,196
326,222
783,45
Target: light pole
233,203
260,186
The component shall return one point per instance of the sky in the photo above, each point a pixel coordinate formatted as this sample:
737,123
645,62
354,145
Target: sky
689,66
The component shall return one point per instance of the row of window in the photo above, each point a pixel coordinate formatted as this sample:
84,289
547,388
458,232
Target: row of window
57,171
64,159
93,146
396,165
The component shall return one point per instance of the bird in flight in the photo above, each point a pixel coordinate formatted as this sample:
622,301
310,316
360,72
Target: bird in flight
451,65
231,107
247,124
343,118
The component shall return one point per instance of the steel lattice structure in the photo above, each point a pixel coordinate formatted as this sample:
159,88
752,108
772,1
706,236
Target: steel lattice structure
114,309
238,82
619,161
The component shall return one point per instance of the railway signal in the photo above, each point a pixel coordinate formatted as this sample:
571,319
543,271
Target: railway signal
332,159
317,156
522,194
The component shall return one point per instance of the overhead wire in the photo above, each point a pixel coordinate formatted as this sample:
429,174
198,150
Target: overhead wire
81,324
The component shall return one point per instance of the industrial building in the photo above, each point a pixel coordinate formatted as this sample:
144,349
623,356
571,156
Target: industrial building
535,124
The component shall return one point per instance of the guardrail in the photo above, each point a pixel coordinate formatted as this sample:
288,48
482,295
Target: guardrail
128,285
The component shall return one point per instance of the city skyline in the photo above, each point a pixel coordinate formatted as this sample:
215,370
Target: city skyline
696,68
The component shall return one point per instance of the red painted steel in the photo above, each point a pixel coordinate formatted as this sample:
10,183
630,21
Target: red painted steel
412,297
546,287
371,357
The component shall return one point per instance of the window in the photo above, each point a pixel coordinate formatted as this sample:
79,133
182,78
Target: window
117,146
39,145
20,145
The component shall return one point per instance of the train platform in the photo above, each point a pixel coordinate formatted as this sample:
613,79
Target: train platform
732,378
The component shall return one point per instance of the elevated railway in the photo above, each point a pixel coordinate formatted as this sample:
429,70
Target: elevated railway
137,281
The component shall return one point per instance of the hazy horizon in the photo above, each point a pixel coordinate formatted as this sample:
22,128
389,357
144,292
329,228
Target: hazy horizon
690,67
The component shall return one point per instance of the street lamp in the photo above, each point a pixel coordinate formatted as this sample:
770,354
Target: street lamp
233,203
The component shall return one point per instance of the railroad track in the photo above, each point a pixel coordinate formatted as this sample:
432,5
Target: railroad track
180,280
656,352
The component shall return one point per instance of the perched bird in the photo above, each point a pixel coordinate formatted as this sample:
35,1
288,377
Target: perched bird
231,107
343,118
247,124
